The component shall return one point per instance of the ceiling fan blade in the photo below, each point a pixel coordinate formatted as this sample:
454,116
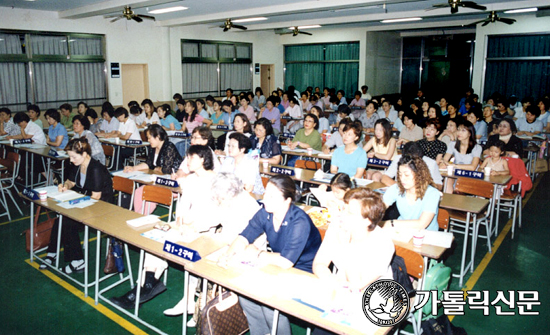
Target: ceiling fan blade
239,27
454,10
147,17
117,18
471,4
305,33
477,22
137,19
110,16
439,5
225,29
506,20
486,23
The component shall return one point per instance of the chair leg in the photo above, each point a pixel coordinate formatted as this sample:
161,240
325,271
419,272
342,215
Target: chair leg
514,219
12,199
5,202
520,209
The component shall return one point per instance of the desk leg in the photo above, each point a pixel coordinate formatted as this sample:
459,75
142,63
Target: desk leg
464,248
498,189
445,184
59,228
97,264
31,230
117,153
185,294
30,169
140,274
49,161
475,233
135,154
86,260
275,321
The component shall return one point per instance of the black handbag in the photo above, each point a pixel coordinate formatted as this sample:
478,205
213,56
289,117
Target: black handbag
400,275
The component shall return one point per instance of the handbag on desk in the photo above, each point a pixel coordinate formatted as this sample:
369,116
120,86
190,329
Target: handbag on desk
222,315
42,231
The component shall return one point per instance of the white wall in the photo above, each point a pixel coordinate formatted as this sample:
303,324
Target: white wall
525,24
126,42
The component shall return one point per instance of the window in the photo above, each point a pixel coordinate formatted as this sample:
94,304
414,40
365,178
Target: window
210,67
518,65
49,69
334,65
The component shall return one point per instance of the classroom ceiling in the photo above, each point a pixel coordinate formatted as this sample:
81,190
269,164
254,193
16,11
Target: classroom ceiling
282,13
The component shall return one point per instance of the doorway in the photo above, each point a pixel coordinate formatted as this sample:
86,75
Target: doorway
267,79
135,82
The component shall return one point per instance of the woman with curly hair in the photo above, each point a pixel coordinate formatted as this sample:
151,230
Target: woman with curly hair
415,195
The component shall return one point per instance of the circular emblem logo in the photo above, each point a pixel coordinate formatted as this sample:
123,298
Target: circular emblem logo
385,303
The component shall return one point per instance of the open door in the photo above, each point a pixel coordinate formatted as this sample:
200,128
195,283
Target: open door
135,82
267,78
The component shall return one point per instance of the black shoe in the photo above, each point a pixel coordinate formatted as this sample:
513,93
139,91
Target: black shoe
127,301
151,290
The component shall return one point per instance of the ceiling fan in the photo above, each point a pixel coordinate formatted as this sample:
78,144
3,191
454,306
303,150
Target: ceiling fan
297,31
454,4
493,17
228,25
129,14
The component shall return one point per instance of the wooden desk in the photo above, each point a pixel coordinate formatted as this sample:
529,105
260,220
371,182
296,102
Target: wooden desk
270,286
112,142
303,152
152,173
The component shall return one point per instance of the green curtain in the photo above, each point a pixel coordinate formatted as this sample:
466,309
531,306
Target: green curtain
344,76
296,53
518,46
302,75
522,78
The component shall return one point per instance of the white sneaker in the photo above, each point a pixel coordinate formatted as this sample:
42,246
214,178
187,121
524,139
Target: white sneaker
178,309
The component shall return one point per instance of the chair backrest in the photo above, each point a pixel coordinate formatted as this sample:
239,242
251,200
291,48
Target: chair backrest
265,180
143,135
124,185
308,165
470,186
108,150
413,261
157,194
443,219
14,156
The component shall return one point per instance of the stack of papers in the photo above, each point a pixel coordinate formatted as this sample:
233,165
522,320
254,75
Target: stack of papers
438,238
143,221
82,204
128,175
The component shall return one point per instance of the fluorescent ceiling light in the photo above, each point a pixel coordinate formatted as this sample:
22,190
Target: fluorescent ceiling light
523,10
252,19
306,27
167,10
402,20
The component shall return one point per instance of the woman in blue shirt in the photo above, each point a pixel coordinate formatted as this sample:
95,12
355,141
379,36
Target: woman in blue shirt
350,158
415,196
167,121
293,238
57,133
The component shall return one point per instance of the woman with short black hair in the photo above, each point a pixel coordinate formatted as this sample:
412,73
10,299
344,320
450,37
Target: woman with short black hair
266,142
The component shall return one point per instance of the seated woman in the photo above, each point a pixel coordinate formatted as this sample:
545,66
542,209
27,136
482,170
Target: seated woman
529,125
415,196
271,113
246,167
34,115
266,142
234,208
465,150
358,234
480,126
90,177
150,116
246,109
109,124
180,111
127,130
192,216
382,144
29,129
293,239
259,99
369,118
95,121
324,126
57,133
167,121
295,112
431,146
242,125
449,134
334,200
411,132
350,158
82,108
81,126
230,110
358,101
506,133
307,137
219,117
200,136
388,112
163,158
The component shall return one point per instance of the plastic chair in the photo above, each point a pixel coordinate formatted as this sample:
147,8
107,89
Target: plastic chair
443,219
7,179
415,268
480,189
109,154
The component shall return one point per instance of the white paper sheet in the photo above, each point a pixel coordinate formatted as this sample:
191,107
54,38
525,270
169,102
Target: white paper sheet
438,238
82,204
142,221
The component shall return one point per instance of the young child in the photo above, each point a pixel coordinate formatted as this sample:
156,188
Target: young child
334,200
498,165
382,144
